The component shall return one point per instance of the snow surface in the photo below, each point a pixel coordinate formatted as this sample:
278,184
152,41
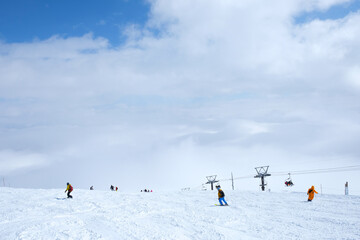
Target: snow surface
46,214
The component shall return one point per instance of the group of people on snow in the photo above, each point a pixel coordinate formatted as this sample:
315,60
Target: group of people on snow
221,195
146,190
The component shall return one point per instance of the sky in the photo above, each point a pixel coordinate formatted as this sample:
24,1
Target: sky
160,94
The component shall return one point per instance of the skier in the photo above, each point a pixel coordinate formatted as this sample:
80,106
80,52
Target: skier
116,188
311,192
112,188
92,188
69,189
221,196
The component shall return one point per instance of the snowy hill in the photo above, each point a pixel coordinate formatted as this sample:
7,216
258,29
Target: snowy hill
45,214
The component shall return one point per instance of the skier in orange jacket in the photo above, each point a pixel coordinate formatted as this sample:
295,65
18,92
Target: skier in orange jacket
311,192
221,196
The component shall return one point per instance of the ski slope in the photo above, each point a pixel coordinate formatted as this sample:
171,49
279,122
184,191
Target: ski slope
45,214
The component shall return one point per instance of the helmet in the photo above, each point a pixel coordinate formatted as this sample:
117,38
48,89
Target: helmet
67,183
217,186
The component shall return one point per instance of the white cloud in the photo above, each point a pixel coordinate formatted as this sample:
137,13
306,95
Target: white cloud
11,161
322,5
353,76
217,78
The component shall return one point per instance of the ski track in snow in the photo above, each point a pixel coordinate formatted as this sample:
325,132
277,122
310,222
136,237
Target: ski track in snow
44,214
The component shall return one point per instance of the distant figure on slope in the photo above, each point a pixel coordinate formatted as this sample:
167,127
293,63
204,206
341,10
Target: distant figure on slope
311,192
116,188
221,196
112,188
92,188
69,189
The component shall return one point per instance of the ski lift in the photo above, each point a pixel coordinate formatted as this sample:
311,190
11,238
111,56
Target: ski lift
288,182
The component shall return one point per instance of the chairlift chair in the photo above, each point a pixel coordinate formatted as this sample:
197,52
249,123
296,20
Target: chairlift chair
289,182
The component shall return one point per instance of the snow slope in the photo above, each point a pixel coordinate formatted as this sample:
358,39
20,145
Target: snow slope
44,214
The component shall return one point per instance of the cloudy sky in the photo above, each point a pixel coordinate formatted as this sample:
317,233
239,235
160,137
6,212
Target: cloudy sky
161,93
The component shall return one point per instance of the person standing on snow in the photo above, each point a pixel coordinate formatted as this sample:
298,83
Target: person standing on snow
311,192
69,189
221,196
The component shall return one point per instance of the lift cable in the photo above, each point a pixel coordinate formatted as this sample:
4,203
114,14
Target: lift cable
323,170
299,172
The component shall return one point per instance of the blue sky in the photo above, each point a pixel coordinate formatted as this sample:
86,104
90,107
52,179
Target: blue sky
334,12
29,20
26,20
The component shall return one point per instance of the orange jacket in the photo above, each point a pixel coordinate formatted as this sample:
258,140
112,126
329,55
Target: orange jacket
311,192
221,193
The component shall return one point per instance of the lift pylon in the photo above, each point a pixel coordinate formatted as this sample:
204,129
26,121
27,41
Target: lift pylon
262,173
211,180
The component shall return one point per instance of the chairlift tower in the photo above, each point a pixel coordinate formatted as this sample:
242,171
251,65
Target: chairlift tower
211,180
262,173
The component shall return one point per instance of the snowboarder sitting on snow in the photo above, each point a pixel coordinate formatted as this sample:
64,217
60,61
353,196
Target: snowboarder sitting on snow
69,189
221,196
311,192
